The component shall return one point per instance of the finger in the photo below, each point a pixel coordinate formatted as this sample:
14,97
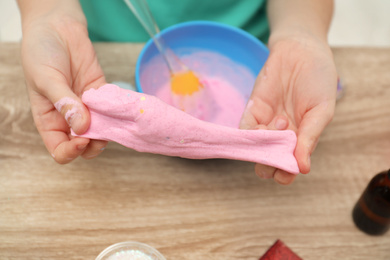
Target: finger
94,148
53,125
310,129
256,112
54,130
264,171
70,106
283,177
279,123
70,111
259,109
248,120
68,150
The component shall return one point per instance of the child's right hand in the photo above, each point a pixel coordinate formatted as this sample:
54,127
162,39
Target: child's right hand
59,62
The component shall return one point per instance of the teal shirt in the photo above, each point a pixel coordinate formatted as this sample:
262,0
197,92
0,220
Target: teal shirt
112,20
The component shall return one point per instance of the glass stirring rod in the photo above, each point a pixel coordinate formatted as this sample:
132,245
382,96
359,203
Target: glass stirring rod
185,85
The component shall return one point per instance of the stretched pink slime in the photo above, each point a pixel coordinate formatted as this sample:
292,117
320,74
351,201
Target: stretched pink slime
147,124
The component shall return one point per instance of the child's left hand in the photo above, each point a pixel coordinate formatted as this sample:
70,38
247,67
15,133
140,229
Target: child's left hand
296,89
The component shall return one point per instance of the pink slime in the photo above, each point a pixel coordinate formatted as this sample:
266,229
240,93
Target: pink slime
227,85
147,124
220,104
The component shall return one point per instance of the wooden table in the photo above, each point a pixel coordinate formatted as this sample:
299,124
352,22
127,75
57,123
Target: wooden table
187,209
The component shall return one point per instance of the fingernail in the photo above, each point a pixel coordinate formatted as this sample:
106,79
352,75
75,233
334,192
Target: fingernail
81,146
280,124
243,122
74,119
249,105
259,174
264,175
73,114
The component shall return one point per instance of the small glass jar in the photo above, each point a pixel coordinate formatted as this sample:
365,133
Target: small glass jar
130,251
371,213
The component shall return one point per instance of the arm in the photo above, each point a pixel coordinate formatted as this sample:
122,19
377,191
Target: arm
299,17
32,10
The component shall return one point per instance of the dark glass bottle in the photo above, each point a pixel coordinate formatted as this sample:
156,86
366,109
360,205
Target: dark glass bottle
371,213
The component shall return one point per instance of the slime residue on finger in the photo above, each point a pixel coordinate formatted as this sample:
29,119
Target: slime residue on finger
72,108
226,86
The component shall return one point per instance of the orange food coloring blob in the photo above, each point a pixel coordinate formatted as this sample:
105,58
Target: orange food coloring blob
185,83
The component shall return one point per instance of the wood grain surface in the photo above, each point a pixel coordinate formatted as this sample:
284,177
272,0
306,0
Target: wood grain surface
191,209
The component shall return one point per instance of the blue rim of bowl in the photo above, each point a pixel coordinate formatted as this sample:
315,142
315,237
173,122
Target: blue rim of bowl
202,23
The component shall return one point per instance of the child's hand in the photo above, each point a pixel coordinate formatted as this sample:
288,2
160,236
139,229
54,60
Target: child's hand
59,62
296,89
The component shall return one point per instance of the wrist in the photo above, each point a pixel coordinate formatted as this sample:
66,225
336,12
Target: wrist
33,11
299,36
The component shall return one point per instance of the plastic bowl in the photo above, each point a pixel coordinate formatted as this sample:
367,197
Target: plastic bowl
234,43
130,250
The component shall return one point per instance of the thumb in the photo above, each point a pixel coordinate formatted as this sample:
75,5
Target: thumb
310,129
248,120
71,108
